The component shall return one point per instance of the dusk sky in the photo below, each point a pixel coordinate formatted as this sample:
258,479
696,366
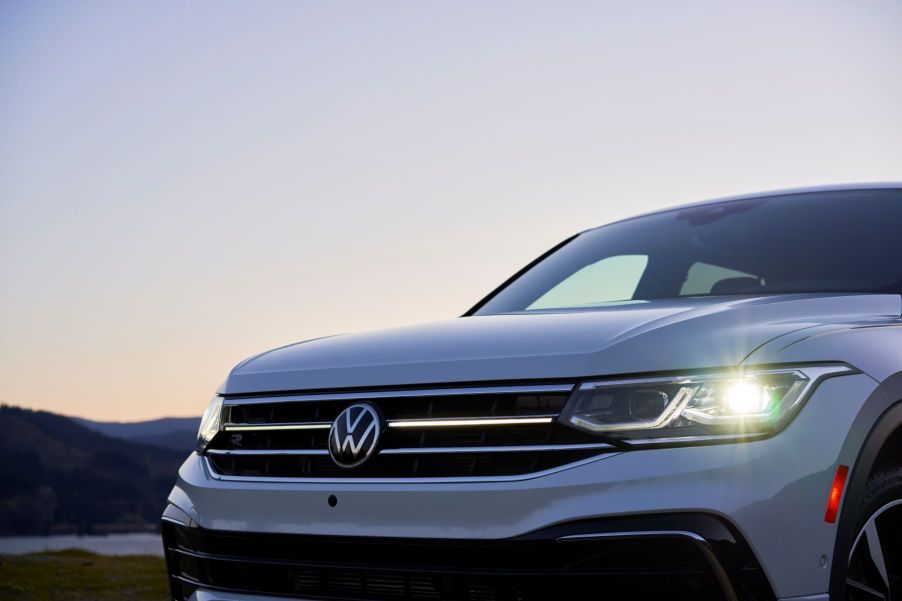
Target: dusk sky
184,184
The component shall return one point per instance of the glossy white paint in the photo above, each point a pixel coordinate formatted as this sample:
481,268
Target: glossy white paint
668,335
774,491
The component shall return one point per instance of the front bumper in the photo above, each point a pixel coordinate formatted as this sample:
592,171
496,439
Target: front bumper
684,556
769,495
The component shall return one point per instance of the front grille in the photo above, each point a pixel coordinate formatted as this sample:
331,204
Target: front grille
563,562
446,433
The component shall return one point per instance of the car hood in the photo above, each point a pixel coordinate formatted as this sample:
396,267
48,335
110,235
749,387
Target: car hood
626,338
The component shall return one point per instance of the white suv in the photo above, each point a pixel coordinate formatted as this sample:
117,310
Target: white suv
700,403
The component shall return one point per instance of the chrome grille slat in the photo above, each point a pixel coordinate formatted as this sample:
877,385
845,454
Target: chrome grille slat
434,422
261,427
426,450
457,432
268,452
466,422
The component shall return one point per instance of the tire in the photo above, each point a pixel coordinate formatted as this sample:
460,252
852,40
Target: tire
875,563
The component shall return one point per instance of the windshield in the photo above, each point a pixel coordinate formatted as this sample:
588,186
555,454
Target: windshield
839,241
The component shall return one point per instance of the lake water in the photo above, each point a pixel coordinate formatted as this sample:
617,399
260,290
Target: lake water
143,543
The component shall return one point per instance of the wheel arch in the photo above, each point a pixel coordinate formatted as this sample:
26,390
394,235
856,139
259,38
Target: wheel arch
882,419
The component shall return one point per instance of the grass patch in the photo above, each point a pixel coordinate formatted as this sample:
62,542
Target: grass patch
75,575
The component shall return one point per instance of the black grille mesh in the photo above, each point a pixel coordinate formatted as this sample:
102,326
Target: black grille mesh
334,569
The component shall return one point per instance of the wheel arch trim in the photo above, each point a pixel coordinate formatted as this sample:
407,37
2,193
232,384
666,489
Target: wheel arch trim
888,406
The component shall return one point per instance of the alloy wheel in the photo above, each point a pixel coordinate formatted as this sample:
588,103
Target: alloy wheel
875,564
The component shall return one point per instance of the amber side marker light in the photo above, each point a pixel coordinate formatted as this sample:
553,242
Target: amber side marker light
839,481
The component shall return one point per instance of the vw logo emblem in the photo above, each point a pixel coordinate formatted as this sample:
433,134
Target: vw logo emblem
354,435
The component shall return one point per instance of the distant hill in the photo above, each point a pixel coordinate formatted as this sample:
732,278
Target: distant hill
177,440
58,475
178,433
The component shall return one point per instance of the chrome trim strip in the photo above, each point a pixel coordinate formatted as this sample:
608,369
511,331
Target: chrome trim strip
700,542
639,442
499,449
166,518
425,450
211,473
354,396
267,452
264,427
439,422
436,422
633,534
194,582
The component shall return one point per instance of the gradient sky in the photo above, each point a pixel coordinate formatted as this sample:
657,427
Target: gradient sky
183,184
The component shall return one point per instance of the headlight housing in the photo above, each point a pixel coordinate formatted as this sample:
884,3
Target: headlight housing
210,424
694,408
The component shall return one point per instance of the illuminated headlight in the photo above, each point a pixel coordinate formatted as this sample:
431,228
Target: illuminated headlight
209,424
695,407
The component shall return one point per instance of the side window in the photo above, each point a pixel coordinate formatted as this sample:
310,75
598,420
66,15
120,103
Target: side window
705,278
610,279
